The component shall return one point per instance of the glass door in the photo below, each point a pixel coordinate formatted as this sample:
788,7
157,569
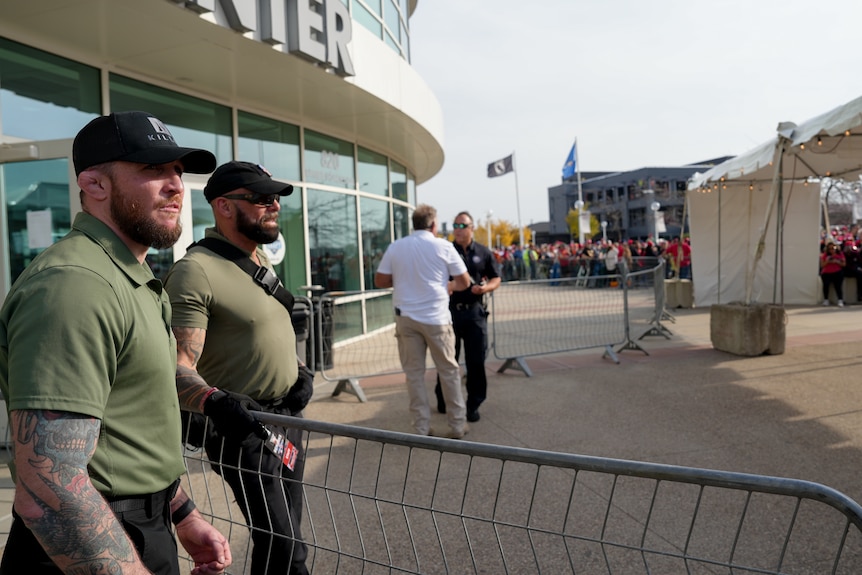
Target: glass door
35,203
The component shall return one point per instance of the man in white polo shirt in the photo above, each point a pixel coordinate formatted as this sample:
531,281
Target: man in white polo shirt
418,267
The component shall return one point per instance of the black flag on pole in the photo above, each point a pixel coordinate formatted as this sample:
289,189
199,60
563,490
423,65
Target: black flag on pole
500,167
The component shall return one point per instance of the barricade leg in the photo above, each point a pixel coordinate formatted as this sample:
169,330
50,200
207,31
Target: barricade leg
350,385
516,363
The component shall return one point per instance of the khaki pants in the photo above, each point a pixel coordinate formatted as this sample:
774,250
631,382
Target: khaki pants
414,339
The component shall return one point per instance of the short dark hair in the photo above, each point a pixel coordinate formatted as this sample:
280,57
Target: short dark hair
465,213
424,217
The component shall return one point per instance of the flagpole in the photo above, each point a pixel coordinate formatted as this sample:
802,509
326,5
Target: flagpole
580,194
518,203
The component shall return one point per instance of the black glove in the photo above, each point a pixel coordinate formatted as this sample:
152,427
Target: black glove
230,414
300,392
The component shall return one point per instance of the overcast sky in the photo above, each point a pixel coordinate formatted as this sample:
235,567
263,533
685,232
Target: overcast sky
639,83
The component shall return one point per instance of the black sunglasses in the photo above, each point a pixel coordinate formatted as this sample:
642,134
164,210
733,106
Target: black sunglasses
461,226
254,198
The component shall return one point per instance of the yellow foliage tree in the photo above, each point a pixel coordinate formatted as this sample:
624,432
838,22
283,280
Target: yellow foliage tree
573,222
503,233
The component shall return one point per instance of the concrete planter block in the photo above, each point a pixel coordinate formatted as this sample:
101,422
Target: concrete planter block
748,330
679,293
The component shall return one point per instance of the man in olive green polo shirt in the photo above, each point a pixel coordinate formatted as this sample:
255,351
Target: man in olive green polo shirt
87,367
236,350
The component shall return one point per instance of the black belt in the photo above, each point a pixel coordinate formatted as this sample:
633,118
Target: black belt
463,306
151,502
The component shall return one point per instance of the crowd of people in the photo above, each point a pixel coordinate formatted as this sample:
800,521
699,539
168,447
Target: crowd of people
592,258
840,258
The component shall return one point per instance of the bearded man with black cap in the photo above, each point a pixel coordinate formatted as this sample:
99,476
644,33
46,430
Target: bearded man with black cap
87,368
235,353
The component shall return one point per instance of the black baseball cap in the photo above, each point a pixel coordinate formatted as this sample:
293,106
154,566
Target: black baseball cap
134,137
235,175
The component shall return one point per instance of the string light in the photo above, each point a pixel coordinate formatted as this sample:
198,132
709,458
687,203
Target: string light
819,141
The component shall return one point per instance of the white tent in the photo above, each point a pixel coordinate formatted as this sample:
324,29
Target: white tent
741,250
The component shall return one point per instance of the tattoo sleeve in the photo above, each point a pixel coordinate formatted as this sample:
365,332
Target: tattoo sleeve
191,387
55,497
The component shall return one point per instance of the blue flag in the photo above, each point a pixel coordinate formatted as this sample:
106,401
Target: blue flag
569,167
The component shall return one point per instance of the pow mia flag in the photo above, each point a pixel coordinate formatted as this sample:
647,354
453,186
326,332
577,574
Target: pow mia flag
500,167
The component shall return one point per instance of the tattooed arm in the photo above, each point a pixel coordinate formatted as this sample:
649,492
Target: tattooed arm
56,499
191,387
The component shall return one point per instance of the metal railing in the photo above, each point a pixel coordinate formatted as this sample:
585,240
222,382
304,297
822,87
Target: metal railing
353,333
387,502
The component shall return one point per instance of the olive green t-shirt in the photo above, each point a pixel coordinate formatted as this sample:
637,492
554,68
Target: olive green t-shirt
250,344
85,329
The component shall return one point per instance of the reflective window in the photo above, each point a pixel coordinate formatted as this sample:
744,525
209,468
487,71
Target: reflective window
289,259
405,43
270,143
367,19
328,161
374,5
411,190
332,240
398,174
390,42
374,215
390,16
202,214
194,123
401,215
45,97
37,208
373,172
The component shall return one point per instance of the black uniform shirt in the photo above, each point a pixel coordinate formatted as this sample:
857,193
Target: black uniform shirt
480,264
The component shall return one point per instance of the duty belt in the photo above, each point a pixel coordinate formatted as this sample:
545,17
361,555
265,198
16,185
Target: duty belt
463,306
153,502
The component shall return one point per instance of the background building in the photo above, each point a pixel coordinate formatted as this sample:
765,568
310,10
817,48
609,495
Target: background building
322,94
624,200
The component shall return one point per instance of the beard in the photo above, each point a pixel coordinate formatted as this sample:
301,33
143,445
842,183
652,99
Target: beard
254,230
133,221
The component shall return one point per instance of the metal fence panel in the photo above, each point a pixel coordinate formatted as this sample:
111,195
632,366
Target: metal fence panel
353,333
550,316
386,502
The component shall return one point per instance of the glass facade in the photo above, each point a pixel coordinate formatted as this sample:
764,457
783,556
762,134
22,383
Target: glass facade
349,202
37,208
270,143
375,236
43,96
332,240
386,19
373,172
195,122
328,161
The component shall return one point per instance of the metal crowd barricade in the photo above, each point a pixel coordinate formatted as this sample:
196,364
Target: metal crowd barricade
386,502
542,317
351,335
357,337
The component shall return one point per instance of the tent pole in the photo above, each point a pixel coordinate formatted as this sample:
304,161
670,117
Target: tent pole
777,180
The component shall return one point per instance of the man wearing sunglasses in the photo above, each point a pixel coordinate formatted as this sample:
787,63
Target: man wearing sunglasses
470,314
235,353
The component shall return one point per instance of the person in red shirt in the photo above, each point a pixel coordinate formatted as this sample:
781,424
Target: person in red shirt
832,262
680,258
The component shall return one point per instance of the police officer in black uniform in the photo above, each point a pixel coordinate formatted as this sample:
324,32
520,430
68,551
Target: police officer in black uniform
470,315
